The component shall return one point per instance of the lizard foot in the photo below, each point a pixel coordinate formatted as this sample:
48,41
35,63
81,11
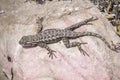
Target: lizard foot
82,51
51,54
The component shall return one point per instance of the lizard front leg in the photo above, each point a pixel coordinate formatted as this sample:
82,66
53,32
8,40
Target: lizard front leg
40,26
74,44
50,51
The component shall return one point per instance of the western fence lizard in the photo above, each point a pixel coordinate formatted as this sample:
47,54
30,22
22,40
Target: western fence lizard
49,36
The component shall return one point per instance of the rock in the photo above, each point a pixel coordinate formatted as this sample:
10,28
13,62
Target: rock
70,64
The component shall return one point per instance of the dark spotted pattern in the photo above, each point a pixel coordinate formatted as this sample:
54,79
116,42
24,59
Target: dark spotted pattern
49,36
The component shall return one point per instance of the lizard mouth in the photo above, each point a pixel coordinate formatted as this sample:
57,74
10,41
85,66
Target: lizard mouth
28,45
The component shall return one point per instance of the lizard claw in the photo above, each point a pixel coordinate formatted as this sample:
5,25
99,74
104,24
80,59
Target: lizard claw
82,51
51,54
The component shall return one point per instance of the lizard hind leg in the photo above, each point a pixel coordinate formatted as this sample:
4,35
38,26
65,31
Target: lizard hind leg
79,24
74,44
39,23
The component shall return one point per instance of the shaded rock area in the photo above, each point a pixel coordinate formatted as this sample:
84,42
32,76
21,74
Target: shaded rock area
111,9
18,18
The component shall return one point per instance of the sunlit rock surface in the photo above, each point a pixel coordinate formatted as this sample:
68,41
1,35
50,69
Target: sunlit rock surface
18,63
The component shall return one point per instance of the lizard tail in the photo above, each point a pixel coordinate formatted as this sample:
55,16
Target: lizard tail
98,36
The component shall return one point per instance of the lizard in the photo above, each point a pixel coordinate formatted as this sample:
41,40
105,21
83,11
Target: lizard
49,36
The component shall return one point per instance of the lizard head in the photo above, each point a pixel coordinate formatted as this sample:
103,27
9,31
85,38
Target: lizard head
25,41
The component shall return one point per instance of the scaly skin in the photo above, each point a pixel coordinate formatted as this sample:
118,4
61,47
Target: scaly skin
49,36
